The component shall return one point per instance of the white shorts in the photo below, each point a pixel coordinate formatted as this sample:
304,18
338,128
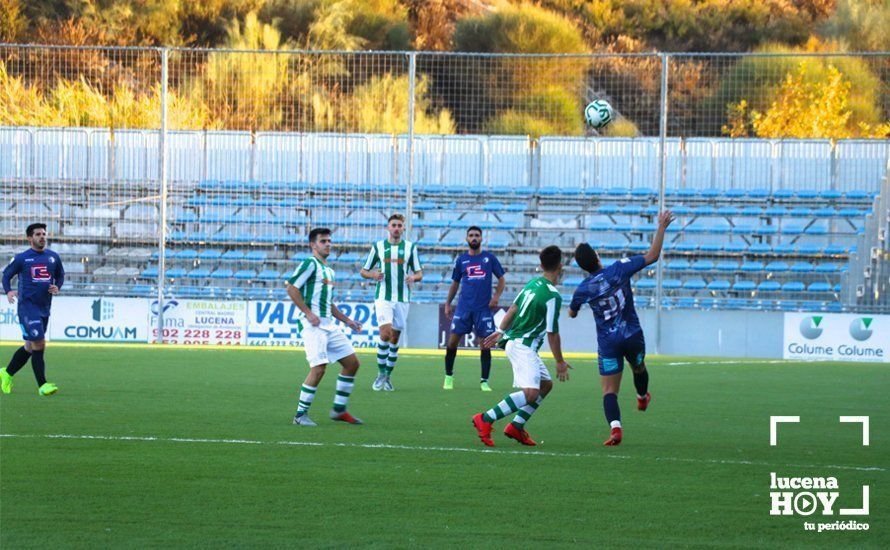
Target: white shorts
325,343
392,313
528,368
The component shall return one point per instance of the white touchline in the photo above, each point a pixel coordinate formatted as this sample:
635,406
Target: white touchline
388,446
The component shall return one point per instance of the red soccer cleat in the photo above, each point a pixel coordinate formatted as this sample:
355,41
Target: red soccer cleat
345,417
614,438
521,436
643,403
483,429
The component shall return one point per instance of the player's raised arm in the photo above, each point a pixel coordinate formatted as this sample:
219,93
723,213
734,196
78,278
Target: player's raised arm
664,220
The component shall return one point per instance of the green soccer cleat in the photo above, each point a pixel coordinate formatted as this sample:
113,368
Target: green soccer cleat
484,386
449,383
5,381
47,389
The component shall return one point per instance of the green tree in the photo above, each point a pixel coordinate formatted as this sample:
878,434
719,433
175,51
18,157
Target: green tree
381,106
860,24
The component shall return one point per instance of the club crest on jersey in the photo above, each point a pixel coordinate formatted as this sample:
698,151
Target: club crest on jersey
475,272
40,274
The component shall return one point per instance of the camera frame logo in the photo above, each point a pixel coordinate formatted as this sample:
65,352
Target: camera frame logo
860,328
810,327
808,496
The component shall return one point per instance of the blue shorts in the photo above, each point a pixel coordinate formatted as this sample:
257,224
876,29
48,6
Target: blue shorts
33,325
480,322
611,357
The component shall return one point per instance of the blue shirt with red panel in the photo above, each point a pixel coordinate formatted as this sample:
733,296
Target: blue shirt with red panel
474,273
36,271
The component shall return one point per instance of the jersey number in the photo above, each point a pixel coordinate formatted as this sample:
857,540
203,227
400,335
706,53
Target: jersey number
612,305
527,297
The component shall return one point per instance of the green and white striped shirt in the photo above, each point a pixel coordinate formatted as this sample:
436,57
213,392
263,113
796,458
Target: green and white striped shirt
315,281
538,312
394,260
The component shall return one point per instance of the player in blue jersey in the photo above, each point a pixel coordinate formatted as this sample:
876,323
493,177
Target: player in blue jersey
618,332
40,277
473,271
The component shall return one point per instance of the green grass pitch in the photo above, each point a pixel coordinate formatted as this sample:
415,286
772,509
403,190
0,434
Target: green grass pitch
213,459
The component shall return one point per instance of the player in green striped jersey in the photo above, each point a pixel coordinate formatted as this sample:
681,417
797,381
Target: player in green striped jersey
311,287
534,313
395,257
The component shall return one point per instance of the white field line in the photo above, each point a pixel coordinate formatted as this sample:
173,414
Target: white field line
386,446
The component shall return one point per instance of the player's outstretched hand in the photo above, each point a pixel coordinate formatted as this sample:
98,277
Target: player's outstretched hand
12,295
354,325
493,304
666,218
562,371
313,319
492,339
53,289
378,275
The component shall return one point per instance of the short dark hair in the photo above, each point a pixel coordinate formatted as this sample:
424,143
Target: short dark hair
551,257
474,228
399,217
34,227
317,232
587,258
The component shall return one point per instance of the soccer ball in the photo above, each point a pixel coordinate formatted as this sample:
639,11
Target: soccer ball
598,113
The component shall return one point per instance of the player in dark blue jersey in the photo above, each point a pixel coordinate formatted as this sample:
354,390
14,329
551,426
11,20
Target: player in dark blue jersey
40,277
473,271
618,332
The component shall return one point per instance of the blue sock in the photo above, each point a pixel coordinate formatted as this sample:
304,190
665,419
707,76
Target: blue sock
613,413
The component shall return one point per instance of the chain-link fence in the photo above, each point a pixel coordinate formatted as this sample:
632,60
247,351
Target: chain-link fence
198,173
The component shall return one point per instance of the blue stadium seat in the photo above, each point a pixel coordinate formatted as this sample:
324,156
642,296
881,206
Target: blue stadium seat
680,210
835,250
695,284
677,265
197,273
617,191
792,229
709,193
233,255
255,256
711,248
735,248
719,285
744,286
769,286
758,193
743,228
783,194
807,194
819,287
775,210
671,284
642,192
729,210
185,254
630,210
245,275
851,213
776,267
766,230
175,273
809,249
802,267
143,290
638,246
222,273
686,247
793,286
269,275
727,266
828,268
751,267
784,248
735,193
816,230
703,265
703,210
857,194
210,254
801,212
825,212
760,248
830,194
150,272
645,284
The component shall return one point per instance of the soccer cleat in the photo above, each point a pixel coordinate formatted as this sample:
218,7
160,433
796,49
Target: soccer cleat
5,381
345,417
521,436
484,386
643,402
378,382
387,384
47,389
614,438
483,429
449,383
304,420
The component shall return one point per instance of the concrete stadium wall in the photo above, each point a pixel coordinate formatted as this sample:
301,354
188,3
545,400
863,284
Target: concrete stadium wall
753,334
